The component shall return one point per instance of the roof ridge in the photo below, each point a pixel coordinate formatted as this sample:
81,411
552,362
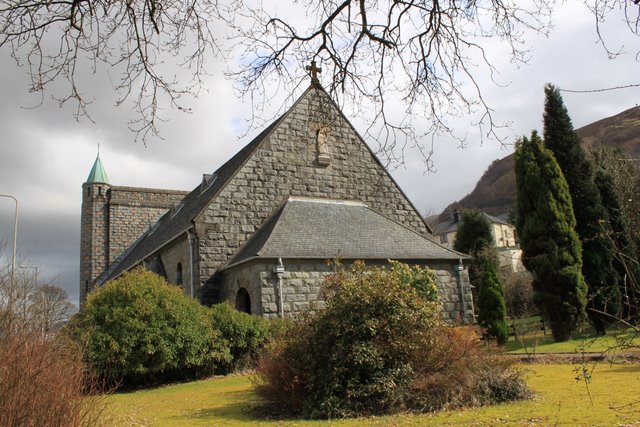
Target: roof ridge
428,237
326,201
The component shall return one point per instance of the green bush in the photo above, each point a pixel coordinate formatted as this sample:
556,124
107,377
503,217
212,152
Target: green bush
377,347
140,329
492,311
243,334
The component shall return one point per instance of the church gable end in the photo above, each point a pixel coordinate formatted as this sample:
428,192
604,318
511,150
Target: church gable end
313,151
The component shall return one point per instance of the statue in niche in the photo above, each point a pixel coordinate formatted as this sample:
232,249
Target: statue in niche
322,139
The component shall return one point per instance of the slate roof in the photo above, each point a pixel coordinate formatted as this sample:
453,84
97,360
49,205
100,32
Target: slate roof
178,220
450,226
325,229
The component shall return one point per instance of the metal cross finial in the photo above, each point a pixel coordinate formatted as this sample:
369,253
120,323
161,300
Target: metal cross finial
313,70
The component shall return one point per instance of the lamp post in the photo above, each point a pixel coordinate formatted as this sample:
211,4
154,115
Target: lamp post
15,238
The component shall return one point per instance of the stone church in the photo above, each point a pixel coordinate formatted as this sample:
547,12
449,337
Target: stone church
259,230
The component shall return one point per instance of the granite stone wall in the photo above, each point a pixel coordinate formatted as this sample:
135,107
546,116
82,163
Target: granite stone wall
94,235
112,219
302,282
174,255
132,211
286,164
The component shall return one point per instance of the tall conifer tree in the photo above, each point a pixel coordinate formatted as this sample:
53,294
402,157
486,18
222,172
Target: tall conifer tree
551,248
591,216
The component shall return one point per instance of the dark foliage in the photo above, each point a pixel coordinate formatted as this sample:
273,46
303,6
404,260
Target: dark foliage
492,311
243,334
598,270
625,250
474,232
551,248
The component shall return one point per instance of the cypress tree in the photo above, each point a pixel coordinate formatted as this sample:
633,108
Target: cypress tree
492,310
591,216
550,246
474,237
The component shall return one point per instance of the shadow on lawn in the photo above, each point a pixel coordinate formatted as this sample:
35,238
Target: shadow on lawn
236,406
618,368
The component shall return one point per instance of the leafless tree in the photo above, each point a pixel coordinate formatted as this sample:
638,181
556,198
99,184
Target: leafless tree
414,63
605,9
26,306
50,307
408,58
59,41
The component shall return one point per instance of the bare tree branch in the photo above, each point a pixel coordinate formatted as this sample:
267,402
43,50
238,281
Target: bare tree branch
60,40
407,58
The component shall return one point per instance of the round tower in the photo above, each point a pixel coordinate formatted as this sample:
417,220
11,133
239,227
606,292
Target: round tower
94,233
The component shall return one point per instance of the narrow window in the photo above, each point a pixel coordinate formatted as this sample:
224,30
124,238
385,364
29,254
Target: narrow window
179,274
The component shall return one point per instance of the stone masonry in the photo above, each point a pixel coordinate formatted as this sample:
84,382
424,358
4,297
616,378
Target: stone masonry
112,219
310,152
285,165
302,288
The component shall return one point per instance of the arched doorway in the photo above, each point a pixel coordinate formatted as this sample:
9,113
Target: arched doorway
243,301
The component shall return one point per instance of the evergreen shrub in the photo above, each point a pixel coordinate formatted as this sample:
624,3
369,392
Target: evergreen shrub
492,315
139,329
243,334
379,346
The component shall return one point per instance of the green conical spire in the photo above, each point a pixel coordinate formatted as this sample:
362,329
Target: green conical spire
98,174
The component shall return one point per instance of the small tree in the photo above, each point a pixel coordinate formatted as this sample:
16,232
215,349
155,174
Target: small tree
139,328
492,314
474,233
474,237
518,293
550,246
50,306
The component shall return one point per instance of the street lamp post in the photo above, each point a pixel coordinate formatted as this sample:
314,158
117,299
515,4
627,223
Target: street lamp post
15,238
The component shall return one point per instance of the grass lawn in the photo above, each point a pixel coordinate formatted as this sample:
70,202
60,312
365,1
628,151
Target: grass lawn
535,341
612,398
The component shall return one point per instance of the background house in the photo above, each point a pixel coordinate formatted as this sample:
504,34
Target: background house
504,235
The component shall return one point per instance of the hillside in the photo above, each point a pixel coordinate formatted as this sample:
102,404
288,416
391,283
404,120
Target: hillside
495,192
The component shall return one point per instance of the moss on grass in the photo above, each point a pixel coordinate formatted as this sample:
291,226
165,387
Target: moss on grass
560,400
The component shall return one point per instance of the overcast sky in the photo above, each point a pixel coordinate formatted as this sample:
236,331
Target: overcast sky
46,155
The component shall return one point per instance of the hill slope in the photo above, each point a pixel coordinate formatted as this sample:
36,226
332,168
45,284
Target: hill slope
495,192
